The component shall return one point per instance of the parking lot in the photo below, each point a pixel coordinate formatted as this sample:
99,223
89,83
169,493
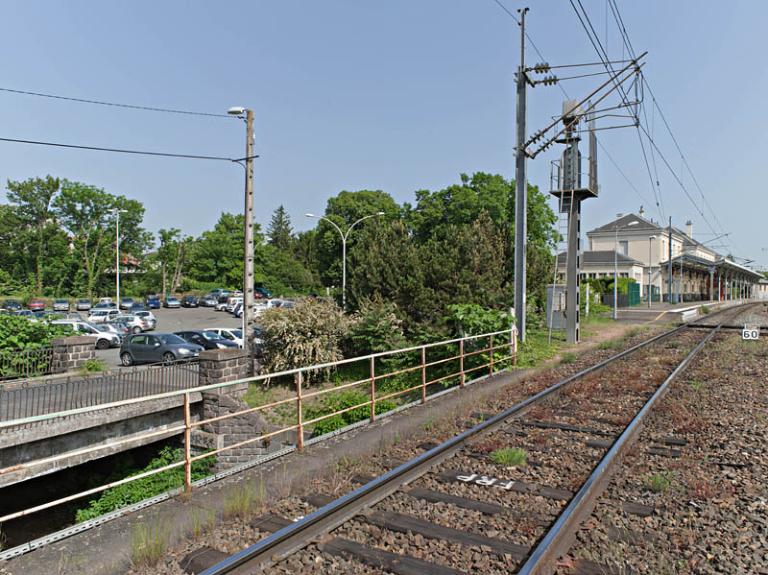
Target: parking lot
170,320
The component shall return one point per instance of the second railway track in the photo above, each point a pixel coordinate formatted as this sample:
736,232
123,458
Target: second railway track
505,496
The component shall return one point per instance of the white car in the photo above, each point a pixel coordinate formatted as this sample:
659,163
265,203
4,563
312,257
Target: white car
232,303
103,315
234,334
134,322
148,318
104,339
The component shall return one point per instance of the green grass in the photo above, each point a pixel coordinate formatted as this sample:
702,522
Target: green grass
659,482
244,500
94,365
511,456
537,349
610,344
568,357
705,309
148,543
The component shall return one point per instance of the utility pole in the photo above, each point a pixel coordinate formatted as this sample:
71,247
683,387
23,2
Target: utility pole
669,262
248,272
117,257
521,188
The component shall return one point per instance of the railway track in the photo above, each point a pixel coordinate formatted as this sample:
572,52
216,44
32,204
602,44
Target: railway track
506,495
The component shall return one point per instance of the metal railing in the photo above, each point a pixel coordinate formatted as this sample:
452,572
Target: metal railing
42,398
417,371
26,364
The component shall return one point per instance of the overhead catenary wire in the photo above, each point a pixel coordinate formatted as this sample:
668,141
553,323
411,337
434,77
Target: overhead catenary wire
121,150
114,104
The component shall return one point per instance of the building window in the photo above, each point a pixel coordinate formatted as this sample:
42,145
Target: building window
624,247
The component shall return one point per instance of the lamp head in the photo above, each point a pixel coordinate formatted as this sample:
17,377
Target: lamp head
310,215
236,111
380,213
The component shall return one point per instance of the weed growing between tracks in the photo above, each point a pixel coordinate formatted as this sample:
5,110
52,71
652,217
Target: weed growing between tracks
244,500
510,456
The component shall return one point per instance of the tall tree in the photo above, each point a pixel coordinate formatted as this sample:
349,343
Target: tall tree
280,231
32,200
88,213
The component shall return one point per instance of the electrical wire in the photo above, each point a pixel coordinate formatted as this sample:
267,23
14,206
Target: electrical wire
121,150
113,104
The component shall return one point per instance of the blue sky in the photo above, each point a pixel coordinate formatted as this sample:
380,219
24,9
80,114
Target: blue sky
351,94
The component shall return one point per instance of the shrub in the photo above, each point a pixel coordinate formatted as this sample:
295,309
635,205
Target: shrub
94,365
135,491
512,456
473,319
568,357
244,500
705,309
19,334
376,328
308,334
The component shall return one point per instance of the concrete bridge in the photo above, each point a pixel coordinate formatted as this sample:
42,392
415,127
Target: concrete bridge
48,445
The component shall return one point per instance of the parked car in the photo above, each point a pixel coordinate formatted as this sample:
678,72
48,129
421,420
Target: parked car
36,304
153,302
105,300
234,334
104,339
118,328
136,307
232,302
134,323
102,315
61,305
149,318
105,305
262,293
238,311
153,348
126,302
73,315
171,302
189,301
12,305
206,339
83,305
28,313
208,300
223,302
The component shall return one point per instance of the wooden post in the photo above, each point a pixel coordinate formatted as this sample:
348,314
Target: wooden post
461,363
373,389
187,446
299,415
423,374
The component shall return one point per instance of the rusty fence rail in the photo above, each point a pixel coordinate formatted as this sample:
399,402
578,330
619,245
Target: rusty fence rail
34,398
27,363
408,375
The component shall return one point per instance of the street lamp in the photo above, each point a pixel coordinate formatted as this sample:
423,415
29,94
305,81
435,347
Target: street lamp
344,236
650,266
248,272
117,213
616,266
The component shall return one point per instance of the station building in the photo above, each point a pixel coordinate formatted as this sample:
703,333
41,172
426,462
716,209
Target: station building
641,249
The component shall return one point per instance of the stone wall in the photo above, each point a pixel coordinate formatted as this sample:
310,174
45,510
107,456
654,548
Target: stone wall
71,353
219,366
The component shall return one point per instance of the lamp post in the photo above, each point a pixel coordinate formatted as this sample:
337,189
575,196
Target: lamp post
248,272
117,213
650,267
344,236
616,266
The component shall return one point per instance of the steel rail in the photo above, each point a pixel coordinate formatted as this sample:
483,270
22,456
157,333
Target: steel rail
562,534
295,536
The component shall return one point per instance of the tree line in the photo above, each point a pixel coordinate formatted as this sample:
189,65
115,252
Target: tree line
449,246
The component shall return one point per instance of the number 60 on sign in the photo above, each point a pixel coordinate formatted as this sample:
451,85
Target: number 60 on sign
750,332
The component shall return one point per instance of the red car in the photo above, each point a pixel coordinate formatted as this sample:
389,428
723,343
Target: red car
36,304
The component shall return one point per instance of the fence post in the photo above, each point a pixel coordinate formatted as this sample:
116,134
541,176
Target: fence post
373,389
187,446
461,363
423,374
299,416
513,342
490,354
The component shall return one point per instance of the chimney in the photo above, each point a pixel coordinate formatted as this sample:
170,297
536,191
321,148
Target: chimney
642,211
689,228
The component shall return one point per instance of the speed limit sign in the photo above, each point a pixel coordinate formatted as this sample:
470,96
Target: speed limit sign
750,332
